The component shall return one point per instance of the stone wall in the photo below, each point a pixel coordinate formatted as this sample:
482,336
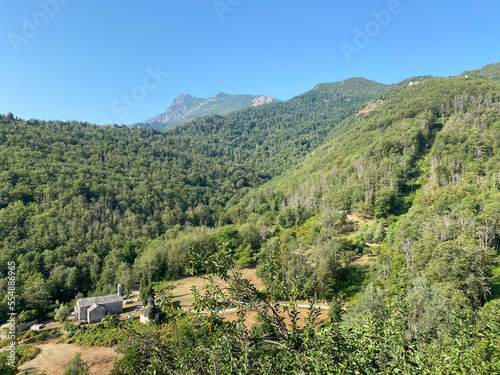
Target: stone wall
96,315
114,307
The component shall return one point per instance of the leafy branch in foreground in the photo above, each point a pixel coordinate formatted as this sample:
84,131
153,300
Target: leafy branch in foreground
412,335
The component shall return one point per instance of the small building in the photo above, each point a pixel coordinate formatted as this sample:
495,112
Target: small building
95,313
150,313
94,309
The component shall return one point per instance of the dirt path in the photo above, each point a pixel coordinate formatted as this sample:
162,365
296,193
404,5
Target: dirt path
53,359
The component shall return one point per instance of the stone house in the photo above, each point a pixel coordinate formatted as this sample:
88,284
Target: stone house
95,313
94,309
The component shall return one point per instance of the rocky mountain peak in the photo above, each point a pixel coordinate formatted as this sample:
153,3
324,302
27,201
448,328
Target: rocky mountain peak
259,100
181,99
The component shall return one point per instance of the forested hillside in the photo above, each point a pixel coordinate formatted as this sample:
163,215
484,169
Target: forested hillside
421,167
71,193
491,72
383,201
78,202
274,137
430,150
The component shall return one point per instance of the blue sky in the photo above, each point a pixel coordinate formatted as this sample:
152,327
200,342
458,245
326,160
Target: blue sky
107,61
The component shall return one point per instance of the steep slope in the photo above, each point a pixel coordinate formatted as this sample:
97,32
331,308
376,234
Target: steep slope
491,72
380,150
186,107
429,157
274,137
79,204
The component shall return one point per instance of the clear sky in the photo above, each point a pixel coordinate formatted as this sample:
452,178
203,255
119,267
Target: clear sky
108,60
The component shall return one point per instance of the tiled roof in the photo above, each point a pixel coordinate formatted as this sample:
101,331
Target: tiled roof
101,300
94,307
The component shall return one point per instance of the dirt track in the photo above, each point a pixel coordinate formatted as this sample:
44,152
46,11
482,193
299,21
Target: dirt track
53,359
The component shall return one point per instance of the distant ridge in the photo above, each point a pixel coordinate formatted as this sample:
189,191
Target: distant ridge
490,72
186,107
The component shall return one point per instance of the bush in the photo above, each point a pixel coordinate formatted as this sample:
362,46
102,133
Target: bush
62,312
27,316
70,327
379,232
96,335
336,309
244,256
77,366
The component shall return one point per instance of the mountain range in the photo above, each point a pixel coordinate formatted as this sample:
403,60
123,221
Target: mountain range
186,107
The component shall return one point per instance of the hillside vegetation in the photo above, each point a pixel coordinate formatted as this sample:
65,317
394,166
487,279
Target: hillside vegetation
424,161
406,176
491,72
78,203
274,137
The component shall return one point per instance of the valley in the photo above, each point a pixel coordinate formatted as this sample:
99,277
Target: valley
354,228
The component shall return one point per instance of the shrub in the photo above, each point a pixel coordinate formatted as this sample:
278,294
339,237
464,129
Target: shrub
62,312
77,366
27,316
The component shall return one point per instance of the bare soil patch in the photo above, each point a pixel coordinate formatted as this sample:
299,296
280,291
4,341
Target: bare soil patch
358,220
54,358
251,274
370,107
182,288
251,317
182,293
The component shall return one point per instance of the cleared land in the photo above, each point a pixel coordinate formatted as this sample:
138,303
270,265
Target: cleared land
53,359
182,288
182,293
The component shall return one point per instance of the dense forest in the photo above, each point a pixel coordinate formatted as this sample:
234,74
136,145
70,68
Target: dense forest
274,137
79,202
426,162
406,174
490,72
